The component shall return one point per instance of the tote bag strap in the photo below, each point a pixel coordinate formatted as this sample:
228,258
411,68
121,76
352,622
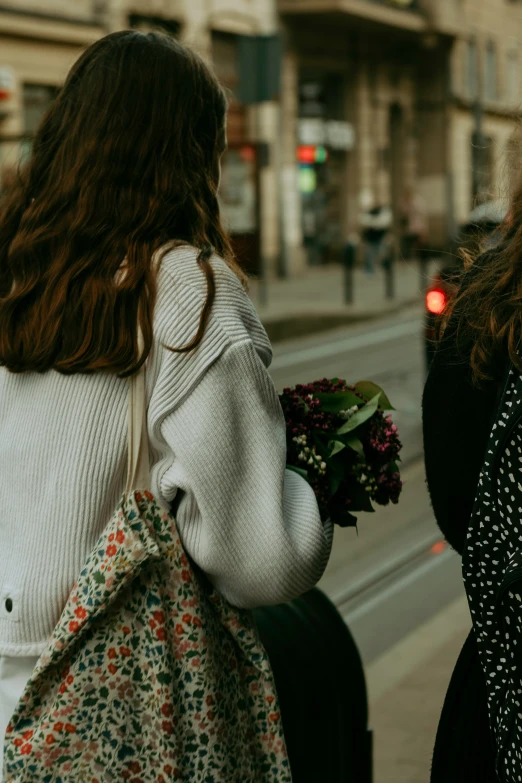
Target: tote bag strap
138,469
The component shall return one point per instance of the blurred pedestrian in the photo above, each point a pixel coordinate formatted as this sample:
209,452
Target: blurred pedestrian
473,447
413,218
113,259
375,226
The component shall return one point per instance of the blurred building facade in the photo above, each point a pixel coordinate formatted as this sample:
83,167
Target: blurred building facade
429,93
486,93
40,40
379,99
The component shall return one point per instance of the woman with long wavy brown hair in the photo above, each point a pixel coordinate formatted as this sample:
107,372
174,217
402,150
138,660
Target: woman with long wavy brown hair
112,231
473,452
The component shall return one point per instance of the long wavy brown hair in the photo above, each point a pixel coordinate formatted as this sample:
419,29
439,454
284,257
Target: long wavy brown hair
487,307
125,161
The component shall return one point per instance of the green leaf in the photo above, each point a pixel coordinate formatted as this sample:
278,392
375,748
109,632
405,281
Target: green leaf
361,500
344,519
353,442
335,483
337,446
369,390
336,473
153,600
321,441
124,751
300,471
362,415
99,577
334,402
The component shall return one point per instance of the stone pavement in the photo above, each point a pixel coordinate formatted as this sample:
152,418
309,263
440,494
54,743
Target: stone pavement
407,687
315,302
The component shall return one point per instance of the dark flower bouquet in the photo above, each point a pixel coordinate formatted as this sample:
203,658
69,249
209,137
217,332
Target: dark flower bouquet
339,438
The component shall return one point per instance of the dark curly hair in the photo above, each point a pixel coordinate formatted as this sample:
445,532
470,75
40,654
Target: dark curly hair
124,162
486,308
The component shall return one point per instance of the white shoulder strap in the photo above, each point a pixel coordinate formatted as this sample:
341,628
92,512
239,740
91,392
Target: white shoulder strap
138,470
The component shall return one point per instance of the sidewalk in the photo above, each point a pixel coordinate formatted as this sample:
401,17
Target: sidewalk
315,302
407,687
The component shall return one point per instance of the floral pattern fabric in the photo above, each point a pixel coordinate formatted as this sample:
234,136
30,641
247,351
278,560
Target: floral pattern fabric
150,675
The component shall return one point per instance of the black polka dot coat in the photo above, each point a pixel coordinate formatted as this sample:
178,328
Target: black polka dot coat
458,419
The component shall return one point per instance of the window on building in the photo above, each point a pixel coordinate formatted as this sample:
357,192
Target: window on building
225,57
512,76
512,161
472,69
490,73
482,166
225,60
37,98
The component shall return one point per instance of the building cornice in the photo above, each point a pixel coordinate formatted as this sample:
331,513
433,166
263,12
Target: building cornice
403,18
48,27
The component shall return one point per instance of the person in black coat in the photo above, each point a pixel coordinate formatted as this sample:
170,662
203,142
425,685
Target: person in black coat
457,417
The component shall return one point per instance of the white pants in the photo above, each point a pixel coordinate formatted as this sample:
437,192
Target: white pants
14,674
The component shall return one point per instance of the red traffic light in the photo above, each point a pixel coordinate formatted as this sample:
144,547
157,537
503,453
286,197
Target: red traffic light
312,153
306,154
436,301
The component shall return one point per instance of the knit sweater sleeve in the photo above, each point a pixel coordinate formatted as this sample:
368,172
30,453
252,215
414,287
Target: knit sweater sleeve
252,526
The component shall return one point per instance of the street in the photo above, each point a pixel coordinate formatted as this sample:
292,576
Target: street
397,585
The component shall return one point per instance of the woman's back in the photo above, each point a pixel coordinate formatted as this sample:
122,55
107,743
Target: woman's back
62,462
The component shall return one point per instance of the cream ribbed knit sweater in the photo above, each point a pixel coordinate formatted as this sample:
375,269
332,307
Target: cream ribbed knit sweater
217,449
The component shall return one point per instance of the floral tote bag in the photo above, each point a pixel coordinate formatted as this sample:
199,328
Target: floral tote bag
150,675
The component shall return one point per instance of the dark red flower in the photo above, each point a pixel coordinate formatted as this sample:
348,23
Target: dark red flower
354,478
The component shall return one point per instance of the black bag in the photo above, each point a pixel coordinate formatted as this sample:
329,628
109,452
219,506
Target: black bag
322,690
